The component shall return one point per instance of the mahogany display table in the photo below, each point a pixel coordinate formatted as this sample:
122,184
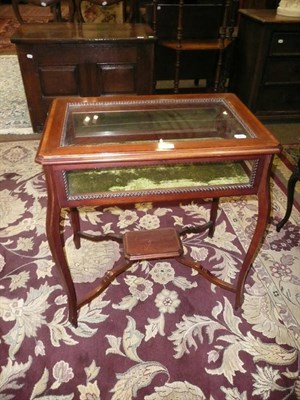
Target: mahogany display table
160,148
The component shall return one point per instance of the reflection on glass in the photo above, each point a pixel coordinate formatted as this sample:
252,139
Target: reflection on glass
208,121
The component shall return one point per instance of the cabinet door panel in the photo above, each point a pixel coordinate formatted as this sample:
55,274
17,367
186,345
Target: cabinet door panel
118,79
105,79
59,80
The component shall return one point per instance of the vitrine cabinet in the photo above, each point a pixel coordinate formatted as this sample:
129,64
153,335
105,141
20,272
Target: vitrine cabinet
116,151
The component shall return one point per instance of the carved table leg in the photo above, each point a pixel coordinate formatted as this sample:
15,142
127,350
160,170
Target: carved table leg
263,197
56,243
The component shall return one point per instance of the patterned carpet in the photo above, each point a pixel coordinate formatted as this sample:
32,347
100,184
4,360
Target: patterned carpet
14,115
9,23
160,332
7,27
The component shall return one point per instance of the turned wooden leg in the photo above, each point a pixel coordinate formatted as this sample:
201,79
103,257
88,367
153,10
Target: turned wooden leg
15,6
75,222
213,216
71,4
56,11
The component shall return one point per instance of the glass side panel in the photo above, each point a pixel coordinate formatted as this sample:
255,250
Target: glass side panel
195,122
169,178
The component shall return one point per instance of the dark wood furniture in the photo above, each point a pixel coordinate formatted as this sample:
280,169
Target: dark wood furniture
161,148
55,6
259,3
70,59
192,40
267,76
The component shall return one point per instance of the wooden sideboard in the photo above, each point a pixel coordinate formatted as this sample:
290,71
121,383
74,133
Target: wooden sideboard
65,59
267,66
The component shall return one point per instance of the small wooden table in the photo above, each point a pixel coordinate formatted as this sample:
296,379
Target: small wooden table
161,148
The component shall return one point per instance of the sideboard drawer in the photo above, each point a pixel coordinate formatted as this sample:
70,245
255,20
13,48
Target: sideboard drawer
285,44
279,98
282,70
66,53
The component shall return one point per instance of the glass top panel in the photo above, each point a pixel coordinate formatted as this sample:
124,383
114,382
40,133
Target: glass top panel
166,124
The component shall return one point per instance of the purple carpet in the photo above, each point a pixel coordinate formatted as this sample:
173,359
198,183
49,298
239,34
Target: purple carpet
159,332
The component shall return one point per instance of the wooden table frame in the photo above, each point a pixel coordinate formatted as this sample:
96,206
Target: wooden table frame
57,159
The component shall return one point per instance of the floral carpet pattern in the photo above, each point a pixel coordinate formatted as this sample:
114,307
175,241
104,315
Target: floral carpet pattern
159,332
